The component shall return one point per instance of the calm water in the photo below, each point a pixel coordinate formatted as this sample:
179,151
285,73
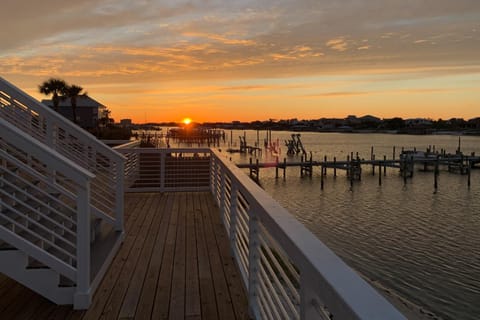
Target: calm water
425,246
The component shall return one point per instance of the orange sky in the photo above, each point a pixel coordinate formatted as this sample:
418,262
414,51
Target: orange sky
222,61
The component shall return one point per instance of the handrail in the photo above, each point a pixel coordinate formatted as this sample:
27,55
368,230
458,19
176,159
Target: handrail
326,284
68,167
23,98
56,173
79,146
130,144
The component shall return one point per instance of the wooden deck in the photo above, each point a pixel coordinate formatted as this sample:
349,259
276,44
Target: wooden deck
174,264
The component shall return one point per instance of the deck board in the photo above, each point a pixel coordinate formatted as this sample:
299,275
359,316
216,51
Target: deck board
175,263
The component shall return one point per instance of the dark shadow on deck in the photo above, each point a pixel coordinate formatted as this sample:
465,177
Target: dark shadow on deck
175,263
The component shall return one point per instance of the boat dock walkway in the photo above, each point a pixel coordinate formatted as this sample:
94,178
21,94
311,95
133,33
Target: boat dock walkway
175,263
353,165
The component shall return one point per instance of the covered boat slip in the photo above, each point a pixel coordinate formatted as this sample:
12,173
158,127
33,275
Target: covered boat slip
175,263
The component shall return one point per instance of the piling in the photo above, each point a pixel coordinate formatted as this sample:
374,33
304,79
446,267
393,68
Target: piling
348,166
321,179
379,174
250,167
334,167
324,168
351,172
435,183
373,164
469,166
384,165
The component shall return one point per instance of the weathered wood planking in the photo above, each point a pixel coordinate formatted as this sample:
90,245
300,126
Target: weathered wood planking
175,263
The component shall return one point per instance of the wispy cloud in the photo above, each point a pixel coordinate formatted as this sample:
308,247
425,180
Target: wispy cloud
337,94
338,44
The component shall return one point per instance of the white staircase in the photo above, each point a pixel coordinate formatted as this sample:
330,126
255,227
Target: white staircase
61,201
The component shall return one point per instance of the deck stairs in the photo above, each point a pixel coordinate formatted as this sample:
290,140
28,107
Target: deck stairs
61,201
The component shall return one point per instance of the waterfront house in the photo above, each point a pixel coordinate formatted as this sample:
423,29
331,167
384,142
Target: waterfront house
89,111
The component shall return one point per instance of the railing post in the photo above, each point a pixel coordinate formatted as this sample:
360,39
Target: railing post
162,171
233,213
212,172
215,180
253,263
82,298
223,188
119,194
50,137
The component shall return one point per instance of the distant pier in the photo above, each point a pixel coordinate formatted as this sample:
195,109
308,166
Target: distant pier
354,166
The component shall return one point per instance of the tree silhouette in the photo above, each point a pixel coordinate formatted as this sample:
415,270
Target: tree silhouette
54,87
73,92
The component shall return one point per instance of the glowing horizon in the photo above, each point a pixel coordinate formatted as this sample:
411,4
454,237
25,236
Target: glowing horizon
214,61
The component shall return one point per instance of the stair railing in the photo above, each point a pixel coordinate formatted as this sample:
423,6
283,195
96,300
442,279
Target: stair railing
45,212
59,133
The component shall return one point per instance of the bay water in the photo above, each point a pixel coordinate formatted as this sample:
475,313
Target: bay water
420,243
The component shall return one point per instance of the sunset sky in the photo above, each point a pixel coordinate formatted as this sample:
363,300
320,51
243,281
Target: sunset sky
251,60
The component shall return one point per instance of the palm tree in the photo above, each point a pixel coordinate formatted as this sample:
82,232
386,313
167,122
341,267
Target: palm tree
54,87
72,92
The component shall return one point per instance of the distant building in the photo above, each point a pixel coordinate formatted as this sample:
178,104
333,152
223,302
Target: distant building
126,123
370,119
474,123
418,122
88,110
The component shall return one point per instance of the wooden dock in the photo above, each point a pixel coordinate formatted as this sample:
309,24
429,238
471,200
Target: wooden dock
353,165
175,263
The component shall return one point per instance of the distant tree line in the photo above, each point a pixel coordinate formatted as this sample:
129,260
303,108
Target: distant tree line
351,124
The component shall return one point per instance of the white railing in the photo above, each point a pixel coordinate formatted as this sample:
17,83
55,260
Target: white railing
161,170
288,272
44,207
62,135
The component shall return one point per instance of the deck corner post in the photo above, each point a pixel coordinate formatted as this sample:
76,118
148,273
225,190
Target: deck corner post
162,171
213,175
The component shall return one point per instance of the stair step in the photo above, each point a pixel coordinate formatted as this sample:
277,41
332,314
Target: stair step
66,282
6,246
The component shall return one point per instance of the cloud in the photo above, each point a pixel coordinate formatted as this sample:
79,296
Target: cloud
337,94
363,48
220,38
338,44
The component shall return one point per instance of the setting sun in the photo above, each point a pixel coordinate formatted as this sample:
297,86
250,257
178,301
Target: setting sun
187,121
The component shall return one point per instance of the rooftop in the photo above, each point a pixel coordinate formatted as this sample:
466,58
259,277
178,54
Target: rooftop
82,101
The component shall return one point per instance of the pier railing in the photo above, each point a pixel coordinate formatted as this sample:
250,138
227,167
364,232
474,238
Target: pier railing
162,170
287,271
